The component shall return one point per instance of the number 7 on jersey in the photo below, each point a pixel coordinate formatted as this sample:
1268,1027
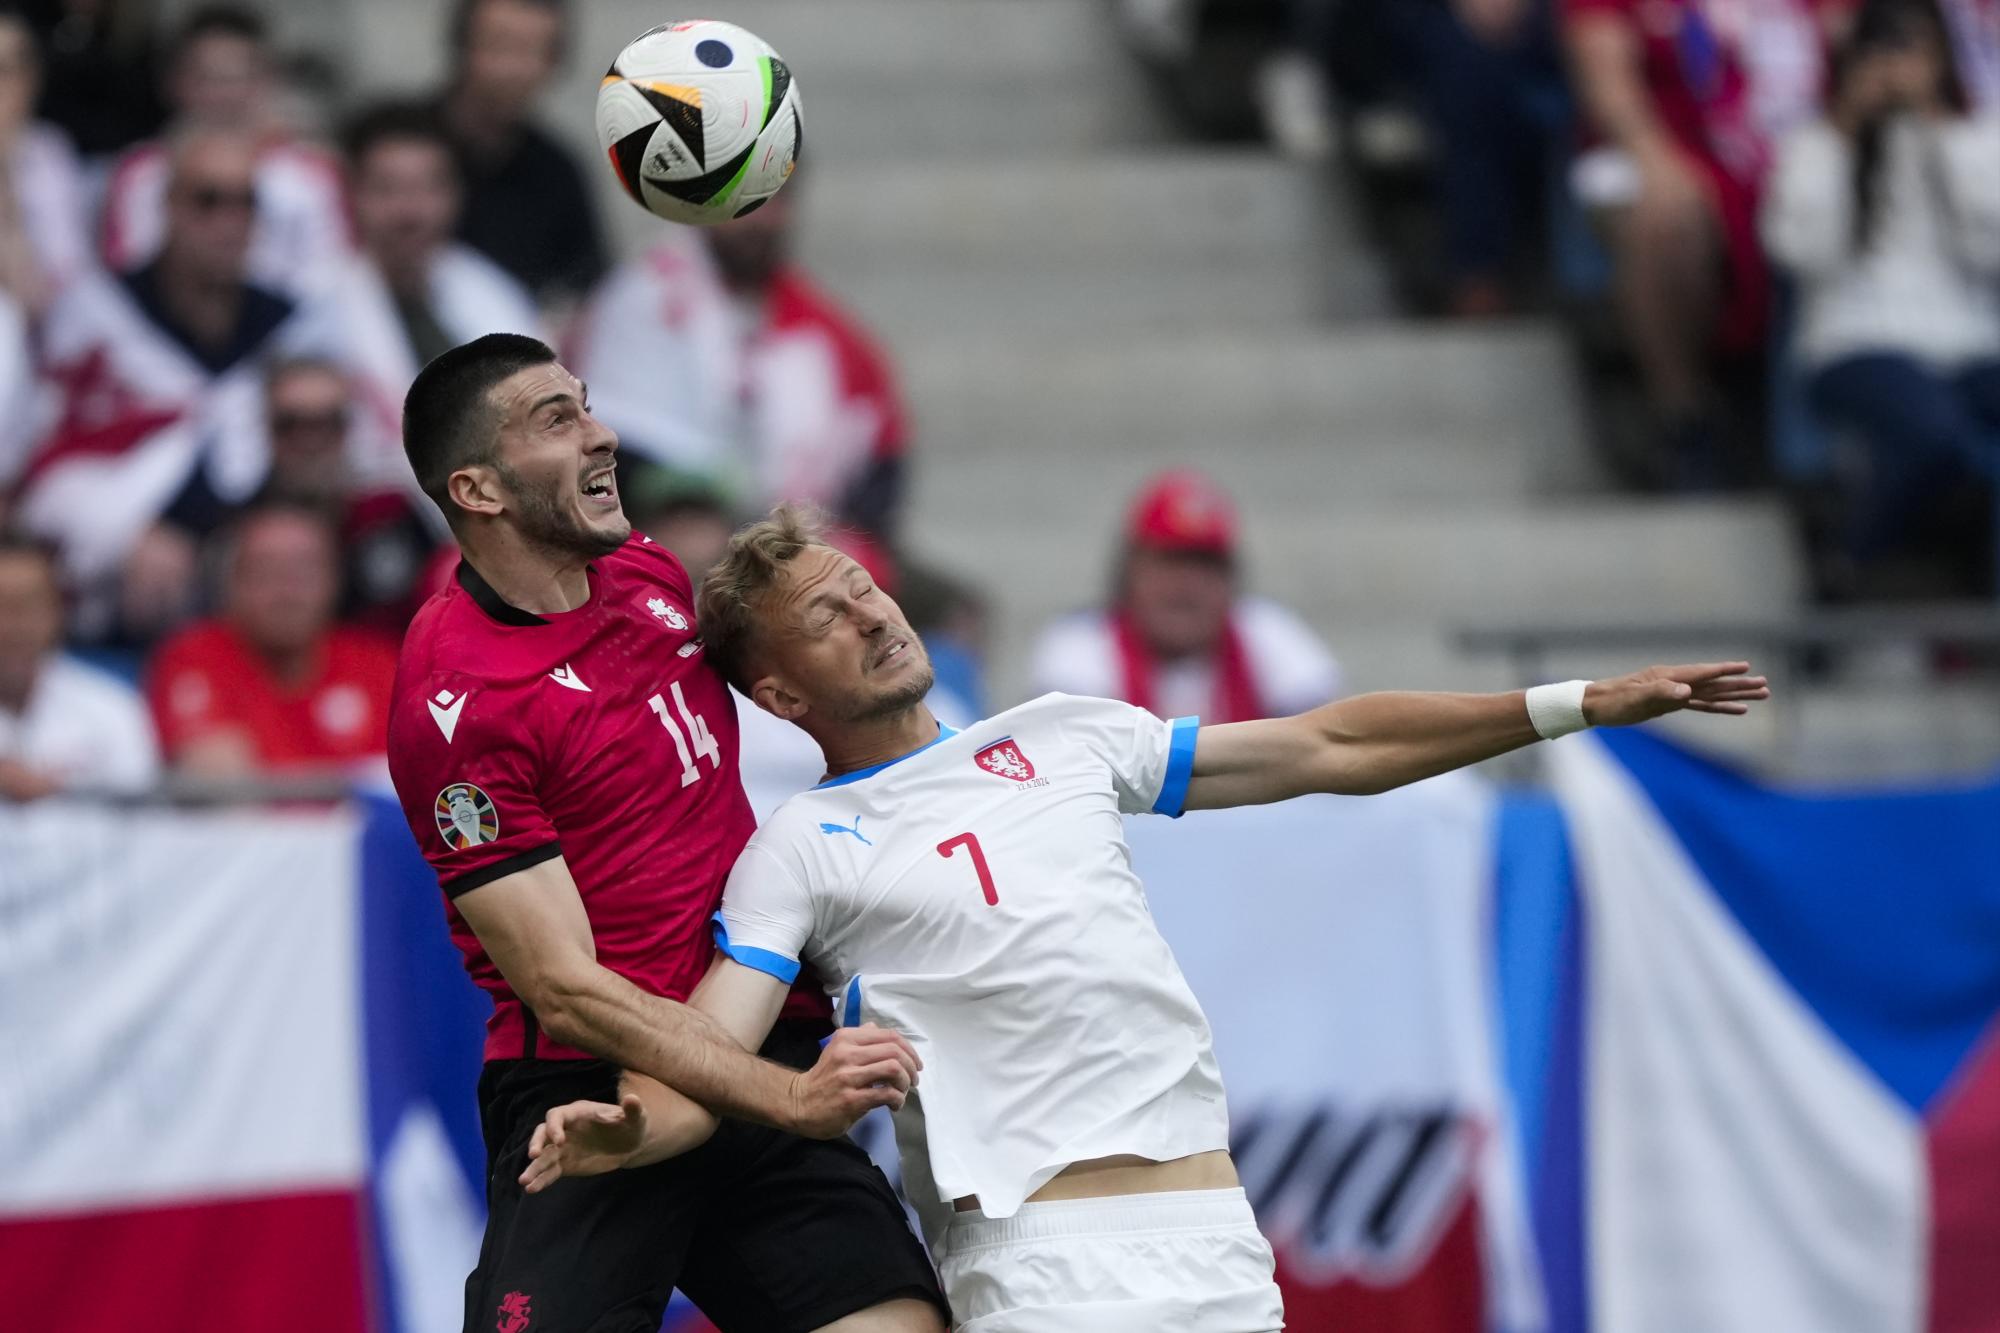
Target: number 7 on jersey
971,844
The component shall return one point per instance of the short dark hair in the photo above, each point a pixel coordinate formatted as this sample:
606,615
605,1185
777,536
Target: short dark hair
217,21
448,420
384,121
459,31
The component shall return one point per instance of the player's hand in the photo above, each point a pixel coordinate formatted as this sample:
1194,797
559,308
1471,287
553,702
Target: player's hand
860,1069
1710,687
584,1139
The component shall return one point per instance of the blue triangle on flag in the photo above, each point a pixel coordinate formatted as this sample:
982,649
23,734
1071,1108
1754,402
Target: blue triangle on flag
1880,908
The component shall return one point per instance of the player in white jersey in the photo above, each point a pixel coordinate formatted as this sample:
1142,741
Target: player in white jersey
1067,1148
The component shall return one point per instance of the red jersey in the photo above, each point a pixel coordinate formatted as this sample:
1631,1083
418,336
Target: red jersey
206,679
599,735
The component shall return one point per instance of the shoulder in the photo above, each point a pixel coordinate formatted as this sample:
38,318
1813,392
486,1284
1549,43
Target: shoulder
646,561
1063,712
95,694
142,166
47,148
1289,658
1076,654
473,273
203,643
799,302
363,650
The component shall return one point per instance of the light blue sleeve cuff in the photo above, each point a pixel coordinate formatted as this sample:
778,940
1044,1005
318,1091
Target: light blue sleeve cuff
761,960
1172,800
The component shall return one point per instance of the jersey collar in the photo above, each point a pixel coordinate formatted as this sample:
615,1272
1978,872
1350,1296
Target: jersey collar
944,734
490,601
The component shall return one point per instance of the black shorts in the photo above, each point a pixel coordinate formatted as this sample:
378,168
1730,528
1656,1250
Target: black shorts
765,1231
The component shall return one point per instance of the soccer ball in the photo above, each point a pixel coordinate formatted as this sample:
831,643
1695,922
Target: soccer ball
701,121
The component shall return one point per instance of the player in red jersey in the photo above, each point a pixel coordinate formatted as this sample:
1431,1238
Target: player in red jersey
567,762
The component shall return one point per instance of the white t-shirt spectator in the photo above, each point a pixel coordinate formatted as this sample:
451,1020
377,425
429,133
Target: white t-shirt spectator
83,728
1289,665
1925,286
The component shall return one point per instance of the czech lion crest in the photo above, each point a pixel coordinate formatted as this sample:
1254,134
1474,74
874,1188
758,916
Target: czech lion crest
1004,758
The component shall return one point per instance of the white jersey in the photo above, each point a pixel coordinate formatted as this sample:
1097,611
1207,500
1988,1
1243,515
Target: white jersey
978,897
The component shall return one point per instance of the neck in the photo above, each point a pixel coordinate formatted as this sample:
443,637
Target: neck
407,280
16,686
865,744
476,122
203,307
529,577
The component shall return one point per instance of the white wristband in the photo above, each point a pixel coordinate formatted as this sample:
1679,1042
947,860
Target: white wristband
1557,710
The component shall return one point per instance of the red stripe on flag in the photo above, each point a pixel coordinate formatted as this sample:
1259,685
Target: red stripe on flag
1446,1294
291,1262
1963,1150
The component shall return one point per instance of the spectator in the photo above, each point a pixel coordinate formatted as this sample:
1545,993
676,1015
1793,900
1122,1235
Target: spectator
157,375
42,210
1686,97
715,353
1887,211
685,512
527,206
273,683
412,291
1180,638
387,541
100,85
1492,91
63,726
219,78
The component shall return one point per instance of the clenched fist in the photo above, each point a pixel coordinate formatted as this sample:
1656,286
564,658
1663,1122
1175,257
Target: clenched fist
860,1069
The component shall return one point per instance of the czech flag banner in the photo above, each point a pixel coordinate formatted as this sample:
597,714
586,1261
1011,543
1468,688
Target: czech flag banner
1780,1109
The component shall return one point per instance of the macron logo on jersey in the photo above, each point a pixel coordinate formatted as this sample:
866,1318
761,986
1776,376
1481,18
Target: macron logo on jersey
566,678
445,711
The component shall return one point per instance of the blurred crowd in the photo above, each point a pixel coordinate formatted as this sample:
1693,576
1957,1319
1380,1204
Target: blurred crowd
1774,224
217,281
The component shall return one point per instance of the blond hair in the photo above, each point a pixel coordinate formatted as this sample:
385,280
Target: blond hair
746,574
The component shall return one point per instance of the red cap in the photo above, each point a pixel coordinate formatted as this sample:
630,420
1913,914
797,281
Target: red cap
1183,511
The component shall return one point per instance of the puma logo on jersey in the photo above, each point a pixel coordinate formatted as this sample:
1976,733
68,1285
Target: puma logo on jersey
445,711
842,828
566,678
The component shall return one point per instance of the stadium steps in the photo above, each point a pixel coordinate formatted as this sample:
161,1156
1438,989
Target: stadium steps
1121,241
1389,584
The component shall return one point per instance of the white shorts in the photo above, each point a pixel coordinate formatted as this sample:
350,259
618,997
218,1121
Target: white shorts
1186,1262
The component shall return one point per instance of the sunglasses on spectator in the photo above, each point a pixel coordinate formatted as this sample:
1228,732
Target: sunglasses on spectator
215,198
289,423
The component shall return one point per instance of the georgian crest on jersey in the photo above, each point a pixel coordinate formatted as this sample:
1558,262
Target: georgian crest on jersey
1004,758
465,816
664,610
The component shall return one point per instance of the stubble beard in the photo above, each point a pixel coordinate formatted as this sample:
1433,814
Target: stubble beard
550,527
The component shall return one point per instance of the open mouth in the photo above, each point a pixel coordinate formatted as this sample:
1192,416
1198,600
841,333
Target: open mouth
894,653
601,488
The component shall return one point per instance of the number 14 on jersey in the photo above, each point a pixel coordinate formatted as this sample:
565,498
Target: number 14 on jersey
694,742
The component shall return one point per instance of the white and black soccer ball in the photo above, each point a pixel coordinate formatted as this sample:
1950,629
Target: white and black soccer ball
701,120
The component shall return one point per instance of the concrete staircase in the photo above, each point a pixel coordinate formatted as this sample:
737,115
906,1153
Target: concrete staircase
1075,302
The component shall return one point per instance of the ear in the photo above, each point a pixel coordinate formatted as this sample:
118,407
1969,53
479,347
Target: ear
769,693
477,490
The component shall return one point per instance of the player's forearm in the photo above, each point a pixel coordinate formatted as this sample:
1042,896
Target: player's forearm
675,1123
1377,742
597,1010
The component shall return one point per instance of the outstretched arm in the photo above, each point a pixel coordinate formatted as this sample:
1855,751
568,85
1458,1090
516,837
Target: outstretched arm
1374,742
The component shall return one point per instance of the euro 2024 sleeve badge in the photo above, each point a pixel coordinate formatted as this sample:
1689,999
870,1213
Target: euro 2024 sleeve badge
466,817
